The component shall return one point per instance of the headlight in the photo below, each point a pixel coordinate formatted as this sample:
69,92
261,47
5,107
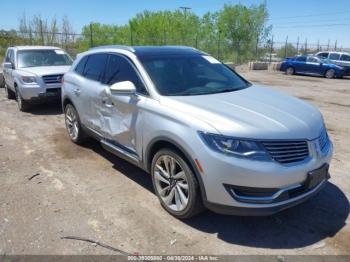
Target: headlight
234,147
29,79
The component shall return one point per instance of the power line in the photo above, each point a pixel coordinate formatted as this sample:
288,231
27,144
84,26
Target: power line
314,21
303,26
309,15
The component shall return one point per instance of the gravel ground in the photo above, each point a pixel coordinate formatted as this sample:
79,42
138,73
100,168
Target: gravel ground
85,191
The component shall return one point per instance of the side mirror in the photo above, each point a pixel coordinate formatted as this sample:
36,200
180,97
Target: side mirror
8,65
123,88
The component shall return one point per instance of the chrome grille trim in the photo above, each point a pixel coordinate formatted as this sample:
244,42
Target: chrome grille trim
286,152
52,79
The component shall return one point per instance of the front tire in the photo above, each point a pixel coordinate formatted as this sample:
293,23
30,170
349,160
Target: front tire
330,73
22,104
9,93
175,184
73,124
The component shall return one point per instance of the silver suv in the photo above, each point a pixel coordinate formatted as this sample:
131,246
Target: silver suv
33,73
339,58
208,137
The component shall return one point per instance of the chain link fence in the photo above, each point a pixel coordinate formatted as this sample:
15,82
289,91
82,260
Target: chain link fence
237,52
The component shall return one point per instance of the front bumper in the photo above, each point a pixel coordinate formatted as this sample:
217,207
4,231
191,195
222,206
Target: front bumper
37,93
221,170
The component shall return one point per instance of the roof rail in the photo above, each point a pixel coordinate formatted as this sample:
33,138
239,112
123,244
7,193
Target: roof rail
124,47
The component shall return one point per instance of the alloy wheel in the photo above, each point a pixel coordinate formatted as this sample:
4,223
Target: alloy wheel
171,183
72,123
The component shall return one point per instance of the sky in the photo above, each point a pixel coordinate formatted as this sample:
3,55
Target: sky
314,20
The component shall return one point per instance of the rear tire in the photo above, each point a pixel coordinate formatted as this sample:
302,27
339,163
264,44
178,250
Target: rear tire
2,81
22,104
330,73
290,71
9,93
176,186
73,125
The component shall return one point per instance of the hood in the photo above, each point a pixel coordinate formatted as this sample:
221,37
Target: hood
255,112
45,70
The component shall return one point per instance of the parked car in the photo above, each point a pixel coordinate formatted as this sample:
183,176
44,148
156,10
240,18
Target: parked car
339,58
311,65
206,135
33,73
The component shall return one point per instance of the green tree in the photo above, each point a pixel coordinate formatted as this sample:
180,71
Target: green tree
287,51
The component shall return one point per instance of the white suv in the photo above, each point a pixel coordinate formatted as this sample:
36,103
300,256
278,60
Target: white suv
339,58
33,74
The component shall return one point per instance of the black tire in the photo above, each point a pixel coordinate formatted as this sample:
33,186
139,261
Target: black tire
290,71
330,73
9,93
22,104
2,81
194,205
80,136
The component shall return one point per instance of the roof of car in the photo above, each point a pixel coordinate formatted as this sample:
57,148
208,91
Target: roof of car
153,50
334,52
31,47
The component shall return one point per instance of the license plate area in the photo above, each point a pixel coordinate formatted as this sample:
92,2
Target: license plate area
316,176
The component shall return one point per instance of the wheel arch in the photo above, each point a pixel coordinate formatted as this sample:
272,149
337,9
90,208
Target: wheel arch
164,142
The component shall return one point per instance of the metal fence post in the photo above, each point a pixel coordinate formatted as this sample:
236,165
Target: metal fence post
91,36
271,49
285,48
256,49
298,46
335,45
42,32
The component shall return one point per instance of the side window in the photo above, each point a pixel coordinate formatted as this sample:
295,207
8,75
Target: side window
325,55
10,56
334,56
312,60
79,69
345,58
120,69
95,66
301,59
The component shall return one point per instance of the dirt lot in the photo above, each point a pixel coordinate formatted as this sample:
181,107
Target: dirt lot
87,192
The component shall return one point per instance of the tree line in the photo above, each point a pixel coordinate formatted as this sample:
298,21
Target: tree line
234,33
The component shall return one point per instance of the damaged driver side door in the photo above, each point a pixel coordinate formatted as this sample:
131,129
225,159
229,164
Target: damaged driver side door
123,101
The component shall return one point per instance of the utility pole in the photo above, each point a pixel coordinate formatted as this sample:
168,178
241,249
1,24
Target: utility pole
335,45
185,8
328,45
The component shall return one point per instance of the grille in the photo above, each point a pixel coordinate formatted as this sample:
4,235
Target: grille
286,152
52,79
323,141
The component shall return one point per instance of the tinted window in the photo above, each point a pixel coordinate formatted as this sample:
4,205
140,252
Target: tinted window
301,59
95,66
325,55
334,56
120,69
189,75
313,60
345,58
80,67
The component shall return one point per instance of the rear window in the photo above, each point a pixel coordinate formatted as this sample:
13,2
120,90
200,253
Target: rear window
324,55
334,56
345,58
95,66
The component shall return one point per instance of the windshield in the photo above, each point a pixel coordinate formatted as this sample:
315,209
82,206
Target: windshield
33,58
325,60
191,75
